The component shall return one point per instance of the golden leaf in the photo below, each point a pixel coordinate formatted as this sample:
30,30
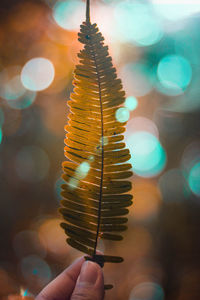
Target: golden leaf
95,194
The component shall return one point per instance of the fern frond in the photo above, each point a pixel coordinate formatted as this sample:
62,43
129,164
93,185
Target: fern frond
95,200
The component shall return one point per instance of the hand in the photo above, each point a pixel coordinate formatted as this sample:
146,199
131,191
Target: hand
83,280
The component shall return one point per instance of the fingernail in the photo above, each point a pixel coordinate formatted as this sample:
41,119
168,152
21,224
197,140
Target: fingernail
89,272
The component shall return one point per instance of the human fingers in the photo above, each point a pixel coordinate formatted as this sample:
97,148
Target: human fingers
62,286
90,283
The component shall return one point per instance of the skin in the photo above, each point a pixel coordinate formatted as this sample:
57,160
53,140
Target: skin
83,280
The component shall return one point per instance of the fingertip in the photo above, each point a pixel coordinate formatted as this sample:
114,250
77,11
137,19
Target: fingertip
91,273
90,282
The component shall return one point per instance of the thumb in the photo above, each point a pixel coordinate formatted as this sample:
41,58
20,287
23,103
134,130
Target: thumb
90,283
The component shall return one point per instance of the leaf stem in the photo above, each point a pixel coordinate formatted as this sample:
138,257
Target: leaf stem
88,11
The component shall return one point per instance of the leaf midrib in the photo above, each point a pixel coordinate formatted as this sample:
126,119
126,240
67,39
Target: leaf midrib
102,152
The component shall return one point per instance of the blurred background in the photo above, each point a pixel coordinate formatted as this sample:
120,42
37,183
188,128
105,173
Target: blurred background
155,46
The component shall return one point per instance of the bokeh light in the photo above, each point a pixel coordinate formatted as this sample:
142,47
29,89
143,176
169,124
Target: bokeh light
191,155
57,188
80,173
1,135
174,73
175,10
35,268
111,1
147,291
194,179
32,164
137,24
37,74
25,295
189,101
131,103
122,114
24,101
148,155
82,170
73,183
141,124
137,78
13,88
10,84
68,14
53,237
23,292
190,165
